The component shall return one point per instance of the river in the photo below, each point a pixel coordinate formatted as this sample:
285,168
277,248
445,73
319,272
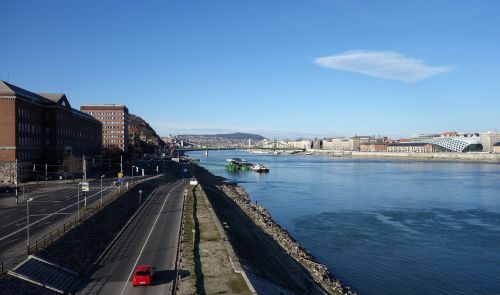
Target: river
384,226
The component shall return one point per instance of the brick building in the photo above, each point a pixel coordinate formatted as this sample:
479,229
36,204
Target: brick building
115,121
373,147
43,128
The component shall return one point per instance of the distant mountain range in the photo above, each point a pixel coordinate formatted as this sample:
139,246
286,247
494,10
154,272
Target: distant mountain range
230,136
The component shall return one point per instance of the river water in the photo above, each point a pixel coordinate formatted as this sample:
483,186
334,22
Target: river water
384,226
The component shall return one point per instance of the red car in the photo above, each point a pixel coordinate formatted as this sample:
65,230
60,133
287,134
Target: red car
143,275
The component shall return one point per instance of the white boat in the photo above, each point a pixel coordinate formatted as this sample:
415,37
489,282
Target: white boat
259,168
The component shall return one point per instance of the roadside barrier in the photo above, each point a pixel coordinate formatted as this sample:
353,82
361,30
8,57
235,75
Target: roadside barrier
49,238
178,259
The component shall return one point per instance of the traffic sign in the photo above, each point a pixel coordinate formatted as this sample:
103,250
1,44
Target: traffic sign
85,187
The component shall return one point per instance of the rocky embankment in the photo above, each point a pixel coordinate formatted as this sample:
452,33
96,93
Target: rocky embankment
263,219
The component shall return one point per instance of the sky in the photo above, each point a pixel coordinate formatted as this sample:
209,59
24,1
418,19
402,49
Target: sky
283,69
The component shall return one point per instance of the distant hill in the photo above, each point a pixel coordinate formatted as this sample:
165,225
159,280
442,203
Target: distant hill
230,136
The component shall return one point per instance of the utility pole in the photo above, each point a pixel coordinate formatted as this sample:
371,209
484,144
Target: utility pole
121,164
101,187
46,167
84,181
28,224
15,181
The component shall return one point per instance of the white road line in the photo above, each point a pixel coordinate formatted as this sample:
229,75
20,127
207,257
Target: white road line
149,235
16,221
42,219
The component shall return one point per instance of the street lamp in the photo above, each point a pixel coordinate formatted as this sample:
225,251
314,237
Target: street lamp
28,223
101,186
78,185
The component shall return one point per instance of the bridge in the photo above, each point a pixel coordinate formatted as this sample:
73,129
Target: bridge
274,145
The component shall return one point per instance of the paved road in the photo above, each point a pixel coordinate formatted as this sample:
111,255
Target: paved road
51,207
151,238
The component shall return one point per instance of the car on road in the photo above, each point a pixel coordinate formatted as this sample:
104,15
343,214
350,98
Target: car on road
143,275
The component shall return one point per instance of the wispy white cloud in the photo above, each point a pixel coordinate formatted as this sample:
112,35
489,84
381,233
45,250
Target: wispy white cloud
381,64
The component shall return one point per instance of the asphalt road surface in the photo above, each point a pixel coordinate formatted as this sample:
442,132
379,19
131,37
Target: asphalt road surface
51,206
151,238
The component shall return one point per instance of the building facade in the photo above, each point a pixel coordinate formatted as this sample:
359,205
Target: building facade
496,148
410,147
115,121
489,139
358,140
43,128
338,144
373,147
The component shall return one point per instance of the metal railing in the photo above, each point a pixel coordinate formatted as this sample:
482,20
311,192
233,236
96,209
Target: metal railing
178,260
54,235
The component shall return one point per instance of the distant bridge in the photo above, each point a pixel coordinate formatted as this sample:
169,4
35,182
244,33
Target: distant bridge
274,145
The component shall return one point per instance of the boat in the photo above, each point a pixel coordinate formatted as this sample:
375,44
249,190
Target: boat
236,164
259,168
308,154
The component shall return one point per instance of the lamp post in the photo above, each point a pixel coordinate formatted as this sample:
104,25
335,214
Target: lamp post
140,196
28,223
101,187
78,201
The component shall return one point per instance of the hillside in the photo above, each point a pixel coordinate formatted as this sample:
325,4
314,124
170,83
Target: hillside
141,132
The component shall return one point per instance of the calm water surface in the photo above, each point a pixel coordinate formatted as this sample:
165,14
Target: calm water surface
385,226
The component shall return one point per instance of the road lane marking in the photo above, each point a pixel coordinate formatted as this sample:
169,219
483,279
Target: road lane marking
42,219
15,221
149,235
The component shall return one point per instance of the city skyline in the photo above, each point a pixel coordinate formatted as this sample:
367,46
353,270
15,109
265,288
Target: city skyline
321,68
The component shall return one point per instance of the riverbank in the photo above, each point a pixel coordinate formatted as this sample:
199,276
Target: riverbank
263,247
466,157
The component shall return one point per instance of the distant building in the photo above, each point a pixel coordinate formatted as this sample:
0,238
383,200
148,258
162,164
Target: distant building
489,139
496,148
373,147
115,121
358,140
410,147
298,144
338,144
43,128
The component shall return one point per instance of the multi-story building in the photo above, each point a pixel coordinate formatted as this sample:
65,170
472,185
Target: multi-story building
358,140
338,144
115,121
489,139
373,147
496,148
43,128
410,147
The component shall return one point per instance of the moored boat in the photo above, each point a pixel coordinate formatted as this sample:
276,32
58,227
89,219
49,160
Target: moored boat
259,168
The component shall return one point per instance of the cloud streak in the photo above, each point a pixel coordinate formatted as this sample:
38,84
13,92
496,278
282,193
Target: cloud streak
381,64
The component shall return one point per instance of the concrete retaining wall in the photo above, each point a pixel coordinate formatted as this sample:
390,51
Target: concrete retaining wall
486,157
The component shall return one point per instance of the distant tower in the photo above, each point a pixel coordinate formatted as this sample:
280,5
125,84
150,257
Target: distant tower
249,142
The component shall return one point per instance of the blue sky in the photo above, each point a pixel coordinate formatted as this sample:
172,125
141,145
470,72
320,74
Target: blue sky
279,68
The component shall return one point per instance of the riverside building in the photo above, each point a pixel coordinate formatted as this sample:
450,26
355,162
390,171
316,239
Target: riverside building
115,121
42,128
410,147
489,139
496,148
